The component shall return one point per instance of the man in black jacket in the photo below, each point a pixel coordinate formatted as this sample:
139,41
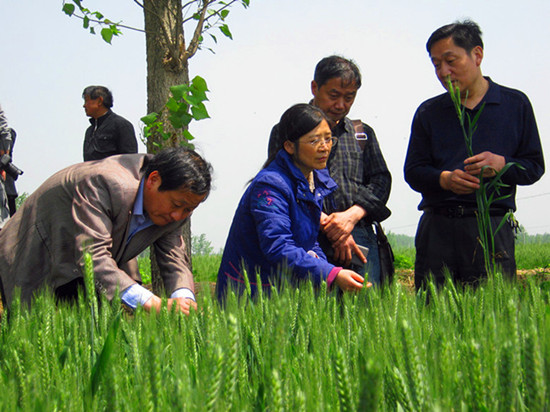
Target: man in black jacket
109,133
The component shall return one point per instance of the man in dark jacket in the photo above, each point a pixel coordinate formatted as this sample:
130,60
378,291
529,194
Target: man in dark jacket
439,167
109,133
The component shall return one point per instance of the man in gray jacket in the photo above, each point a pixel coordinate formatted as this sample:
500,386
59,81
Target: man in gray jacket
114,208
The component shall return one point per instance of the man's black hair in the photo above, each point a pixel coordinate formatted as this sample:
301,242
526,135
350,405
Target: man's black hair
337,67
93,92
180,168
465,34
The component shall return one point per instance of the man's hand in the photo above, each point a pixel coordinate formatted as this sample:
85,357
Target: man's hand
350,281
338,226
182,304
494,163
343,253
458,181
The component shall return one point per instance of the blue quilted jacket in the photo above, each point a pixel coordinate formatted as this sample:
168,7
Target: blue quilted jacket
275,226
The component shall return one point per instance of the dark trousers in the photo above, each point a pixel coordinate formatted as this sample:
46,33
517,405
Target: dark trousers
453,243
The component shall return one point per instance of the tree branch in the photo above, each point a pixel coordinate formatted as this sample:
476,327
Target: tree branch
217,12
139,4
194,43
106,24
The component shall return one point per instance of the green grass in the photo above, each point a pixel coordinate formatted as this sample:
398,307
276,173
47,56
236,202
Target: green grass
533,255
487,349
205,267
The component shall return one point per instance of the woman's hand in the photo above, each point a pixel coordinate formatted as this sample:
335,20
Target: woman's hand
350,281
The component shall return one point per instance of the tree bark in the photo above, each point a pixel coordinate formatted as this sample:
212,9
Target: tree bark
167,66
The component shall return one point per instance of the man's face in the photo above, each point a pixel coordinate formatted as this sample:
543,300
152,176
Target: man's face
334,98
167,206
93,107
454,62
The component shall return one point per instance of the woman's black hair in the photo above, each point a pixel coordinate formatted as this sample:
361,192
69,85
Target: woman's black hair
295,122
180,168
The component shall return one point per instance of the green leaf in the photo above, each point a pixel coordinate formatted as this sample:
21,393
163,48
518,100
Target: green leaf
476,117
68,9
193,100
101,364
225,30
172,105
187,135
199,88
199,83
92,30
107,35
213,38
100,16
199,112
224,14
150,118
246,3
179,91
86,22
179,120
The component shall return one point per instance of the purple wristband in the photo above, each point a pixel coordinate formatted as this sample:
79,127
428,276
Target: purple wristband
332,275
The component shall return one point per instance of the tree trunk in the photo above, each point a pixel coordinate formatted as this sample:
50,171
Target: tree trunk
166,67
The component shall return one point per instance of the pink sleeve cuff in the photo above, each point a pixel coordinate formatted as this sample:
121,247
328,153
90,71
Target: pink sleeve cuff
332,275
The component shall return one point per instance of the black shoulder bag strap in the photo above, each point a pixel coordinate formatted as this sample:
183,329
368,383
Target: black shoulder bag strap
385,251
360,134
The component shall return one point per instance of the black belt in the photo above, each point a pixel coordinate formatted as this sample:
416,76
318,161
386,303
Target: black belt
462,211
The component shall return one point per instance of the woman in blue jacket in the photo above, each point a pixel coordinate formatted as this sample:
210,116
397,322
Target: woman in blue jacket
274,230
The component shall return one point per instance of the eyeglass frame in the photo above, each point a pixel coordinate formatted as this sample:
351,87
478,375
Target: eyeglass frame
317,142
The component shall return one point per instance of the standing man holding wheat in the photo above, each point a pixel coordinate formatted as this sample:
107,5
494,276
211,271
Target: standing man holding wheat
437,164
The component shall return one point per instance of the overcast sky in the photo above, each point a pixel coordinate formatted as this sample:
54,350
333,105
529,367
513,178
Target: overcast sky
47,59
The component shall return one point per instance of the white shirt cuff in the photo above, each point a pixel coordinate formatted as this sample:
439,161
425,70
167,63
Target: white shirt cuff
183,293
136,295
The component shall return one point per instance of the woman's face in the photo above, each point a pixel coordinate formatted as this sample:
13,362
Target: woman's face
311,150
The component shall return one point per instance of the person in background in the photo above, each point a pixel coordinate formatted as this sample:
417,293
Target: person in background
275,228
114,208
363,179
109,133
438,167
6,145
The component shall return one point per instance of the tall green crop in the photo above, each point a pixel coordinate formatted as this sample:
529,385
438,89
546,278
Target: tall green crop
297,349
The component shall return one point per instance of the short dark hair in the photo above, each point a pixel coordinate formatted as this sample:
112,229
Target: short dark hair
180,168
295,122
337,67
465,34
93,92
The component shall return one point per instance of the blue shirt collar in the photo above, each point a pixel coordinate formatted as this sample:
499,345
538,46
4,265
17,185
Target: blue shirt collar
140,220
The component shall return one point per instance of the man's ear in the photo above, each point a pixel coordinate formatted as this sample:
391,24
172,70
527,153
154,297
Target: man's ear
153,181
477,55
289,147
314,88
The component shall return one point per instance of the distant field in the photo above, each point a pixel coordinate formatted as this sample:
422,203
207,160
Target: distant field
529,256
